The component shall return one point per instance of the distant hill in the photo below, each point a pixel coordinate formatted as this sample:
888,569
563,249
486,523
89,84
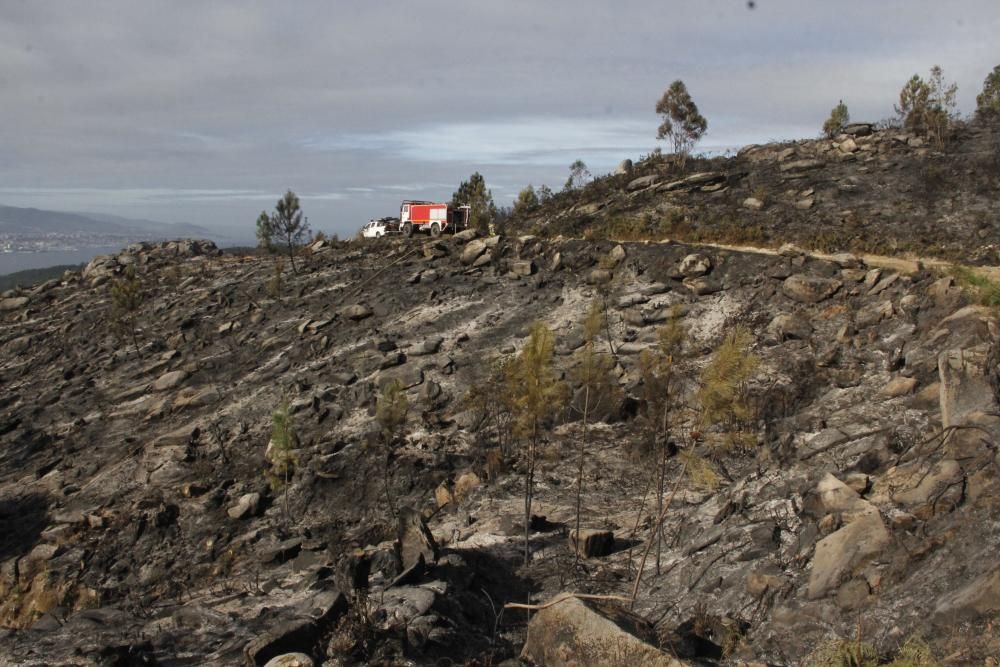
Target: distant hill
16,220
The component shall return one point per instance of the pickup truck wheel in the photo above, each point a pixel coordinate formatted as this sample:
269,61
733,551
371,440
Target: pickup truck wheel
408,230
435,229
378,235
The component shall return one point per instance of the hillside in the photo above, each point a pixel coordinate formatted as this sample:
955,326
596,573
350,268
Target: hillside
868,191
17,221
145,517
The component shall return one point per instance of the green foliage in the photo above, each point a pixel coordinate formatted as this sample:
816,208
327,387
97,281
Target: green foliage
126,301
527,201
536,396
682,124
988,101
843,653
723,395
838,120
983,290
286,228
489,401
391,410
544,194
474,194
915,653
265,234
283,441
928,107
276,284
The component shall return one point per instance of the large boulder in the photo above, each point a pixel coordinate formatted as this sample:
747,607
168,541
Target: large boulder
694,265
592,543
805,288
13,303
842,552
473,249
570,632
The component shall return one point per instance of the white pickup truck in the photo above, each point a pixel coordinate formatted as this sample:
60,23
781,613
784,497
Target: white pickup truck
377,228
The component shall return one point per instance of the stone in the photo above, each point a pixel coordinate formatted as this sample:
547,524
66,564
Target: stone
702,286
356,312
427,346
695,265
810,289
921,489
980,597
790,326
291,659
841,553
617,255
443,495
247,505
642,182
409,375
13,303
753,204
569,632
858,129
190,397
848,145
592,543
801,165
465,235
624,167
523,267
599,277
473,249
759,583
899,386
965,386
854,594
169,380
414,542
435,249
805,204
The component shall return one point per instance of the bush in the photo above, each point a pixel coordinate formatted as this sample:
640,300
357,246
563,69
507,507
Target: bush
988,101
838,120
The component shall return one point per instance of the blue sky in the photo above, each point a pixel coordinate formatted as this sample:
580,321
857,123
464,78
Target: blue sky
207,112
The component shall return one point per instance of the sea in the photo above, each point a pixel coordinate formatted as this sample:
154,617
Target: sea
11,262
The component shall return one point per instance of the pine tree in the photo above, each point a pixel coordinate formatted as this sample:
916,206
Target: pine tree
474,194
286,228
536,395
527,201
838,120
281,453
723,395
126,300
579,176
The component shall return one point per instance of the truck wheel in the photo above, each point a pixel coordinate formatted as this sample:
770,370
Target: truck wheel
435,229
378,235
408,230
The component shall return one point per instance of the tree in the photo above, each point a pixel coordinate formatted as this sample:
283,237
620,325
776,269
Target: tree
928,107
281,449
527,201
656,366
579,176
838,120
988,101
544,194
474,194
285,228
126,300
592,376
265,235
390,414
682,124
536,395
723,396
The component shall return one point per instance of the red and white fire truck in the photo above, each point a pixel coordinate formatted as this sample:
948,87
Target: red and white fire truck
425,216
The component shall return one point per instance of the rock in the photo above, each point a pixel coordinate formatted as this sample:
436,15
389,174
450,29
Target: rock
922,489
899,386
758,583
858,129
189,397
854,594
842,552
965,386
291,659
846,260
695,265
978,598
702,286
642,182
805,204
524,267
300,633
599,277
414,542
616,256
427,346
753,204
13,303
465,235
409,375
624,167
169,380
356,312
248,505
435,249
810,289
443,495
569,632
473,249
801,165
592,543
786,326
848,146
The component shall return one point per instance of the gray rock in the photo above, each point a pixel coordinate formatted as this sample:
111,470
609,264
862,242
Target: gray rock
790,326
169,380
592,543
642,182
13,303
291,659
357,311
524,267
465,235
753,204
248,505
810,289
624,167
801,165
695,265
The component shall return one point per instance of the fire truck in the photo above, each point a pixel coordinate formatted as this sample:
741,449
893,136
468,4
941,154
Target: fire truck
425,216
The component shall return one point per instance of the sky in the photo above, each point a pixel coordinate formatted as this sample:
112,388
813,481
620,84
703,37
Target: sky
206,112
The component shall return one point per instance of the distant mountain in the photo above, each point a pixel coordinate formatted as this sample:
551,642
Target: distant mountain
15,220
